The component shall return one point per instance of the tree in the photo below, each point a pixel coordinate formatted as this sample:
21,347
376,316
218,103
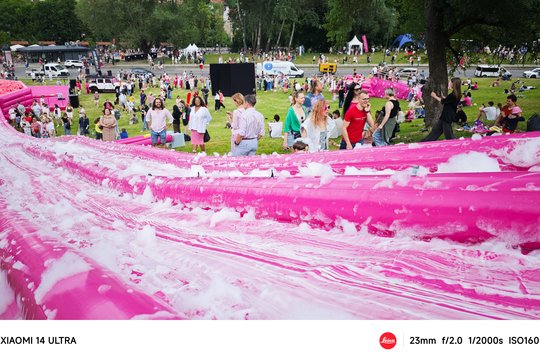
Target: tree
375,18
447,19
55,20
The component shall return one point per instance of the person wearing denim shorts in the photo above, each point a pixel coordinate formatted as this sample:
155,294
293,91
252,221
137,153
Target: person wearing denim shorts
157,117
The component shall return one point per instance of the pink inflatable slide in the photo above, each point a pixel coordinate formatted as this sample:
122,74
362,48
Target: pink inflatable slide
446,230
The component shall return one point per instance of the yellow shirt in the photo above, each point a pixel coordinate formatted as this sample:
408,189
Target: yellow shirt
98,130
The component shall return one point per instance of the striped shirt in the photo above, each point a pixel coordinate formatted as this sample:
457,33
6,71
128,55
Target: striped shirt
251,124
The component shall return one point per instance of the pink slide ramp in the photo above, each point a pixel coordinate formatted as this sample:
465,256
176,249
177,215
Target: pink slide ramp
100,230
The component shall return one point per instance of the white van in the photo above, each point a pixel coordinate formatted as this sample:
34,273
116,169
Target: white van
286,68
491,71
55,70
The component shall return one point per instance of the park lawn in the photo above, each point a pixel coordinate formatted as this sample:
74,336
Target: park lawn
270,103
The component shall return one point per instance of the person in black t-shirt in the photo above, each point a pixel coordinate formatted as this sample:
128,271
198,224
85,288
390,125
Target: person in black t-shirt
450,103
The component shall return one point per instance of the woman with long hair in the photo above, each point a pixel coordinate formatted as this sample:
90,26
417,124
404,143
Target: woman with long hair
450,103
384,131
234,117
199,119
317,126
353,96
295,117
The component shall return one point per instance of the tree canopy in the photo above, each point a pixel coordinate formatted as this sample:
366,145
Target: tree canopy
262,25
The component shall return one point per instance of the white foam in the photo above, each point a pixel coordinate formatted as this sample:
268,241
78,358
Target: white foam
471,162
68,265
524,154
315,170
223,215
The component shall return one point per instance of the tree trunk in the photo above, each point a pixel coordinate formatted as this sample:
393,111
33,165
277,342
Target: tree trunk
436,41
259,31
280,31
267,48
292,34
243,25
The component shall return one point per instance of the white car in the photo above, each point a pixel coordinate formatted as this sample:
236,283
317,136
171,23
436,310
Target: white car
406,72
102,84
533,74
73,64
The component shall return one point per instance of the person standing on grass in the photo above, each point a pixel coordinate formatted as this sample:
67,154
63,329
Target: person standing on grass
250,129
198,122
294,119
107,125
234,117
157,117
354,122
314,94
385,130
448,115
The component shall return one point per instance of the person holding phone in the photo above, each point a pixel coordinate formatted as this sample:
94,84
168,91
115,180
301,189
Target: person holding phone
354,121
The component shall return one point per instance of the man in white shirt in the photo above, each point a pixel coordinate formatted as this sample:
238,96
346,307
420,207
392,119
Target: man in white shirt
489,112
251,129
158,116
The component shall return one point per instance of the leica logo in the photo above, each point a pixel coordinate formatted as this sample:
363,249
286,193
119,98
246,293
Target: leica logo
388,340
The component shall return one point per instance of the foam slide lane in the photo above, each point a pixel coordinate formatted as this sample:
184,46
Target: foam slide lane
53,282
510,151
459,207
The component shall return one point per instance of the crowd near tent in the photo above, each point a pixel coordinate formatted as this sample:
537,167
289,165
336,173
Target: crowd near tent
405,39
354,42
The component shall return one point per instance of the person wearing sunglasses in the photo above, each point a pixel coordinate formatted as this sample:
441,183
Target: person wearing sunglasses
353,96
354,122
317,126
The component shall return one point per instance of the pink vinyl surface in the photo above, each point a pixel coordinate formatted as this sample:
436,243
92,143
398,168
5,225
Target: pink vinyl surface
404,232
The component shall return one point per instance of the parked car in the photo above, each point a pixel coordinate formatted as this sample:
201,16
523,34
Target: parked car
492,71
49,69
406,72
141,71
532,74
73,64
102,83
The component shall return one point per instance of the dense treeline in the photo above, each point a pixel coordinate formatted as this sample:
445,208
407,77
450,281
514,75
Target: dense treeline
262,25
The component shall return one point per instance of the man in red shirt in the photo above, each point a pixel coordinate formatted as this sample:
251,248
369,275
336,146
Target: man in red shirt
510,115
355,121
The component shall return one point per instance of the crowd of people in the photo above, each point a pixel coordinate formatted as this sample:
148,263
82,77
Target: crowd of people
308,120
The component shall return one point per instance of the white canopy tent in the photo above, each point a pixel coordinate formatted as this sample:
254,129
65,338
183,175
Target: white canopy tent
191,50
355,42
16,47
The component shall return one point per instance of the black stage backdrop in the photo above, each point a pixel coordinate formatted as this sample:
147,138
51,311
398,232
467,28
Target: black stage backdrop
233,78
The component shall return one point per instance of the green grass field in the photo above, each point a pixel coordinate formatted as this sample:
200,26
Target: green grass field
270,103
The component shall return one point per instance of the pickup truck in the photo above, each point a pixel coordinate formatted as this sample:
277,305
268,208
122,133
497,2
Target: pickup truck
50,69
